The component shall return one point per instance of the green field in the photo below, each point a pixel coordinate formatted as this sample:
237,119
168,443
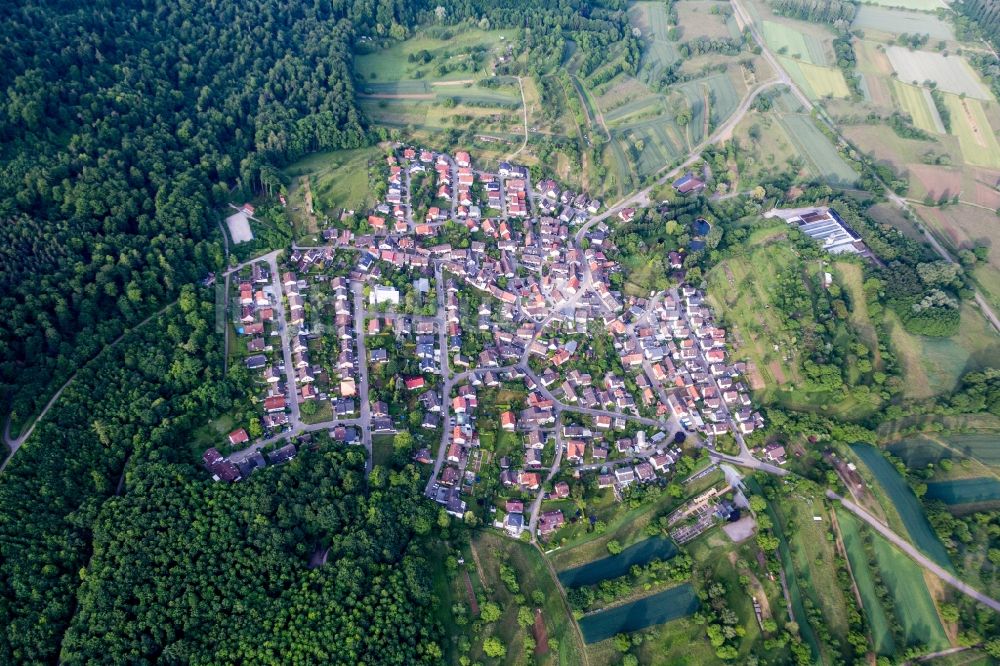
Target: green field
915,607
976,137
336,179
965,491
532,574
639,614
935,365
818,150
614,566
392,63
817,81
905,502
914,100
659,52
898,21
878,622
787,41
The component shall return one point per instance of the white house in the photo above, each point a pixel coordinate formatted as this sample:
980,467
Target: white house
383,294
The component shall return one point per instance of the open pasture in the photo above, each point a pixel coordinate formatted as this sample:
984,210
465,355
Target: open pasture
898,21
905,503
818,150
917,103
934,365
951,73
651,20
975,135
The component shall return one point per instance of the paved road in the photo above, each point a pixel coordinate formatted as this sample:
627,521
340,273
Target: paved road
295,419
537,504
448,381
358,288
915,554
14,443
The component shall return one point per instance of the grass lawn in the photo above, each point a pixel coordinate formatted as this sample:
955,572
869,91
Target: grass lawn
878,621
211,434
324,412
532,574
382,449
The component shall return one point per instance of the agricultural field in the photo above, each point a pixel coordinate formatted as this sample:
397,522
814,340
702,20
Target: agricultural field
897,21
905,580
532,574
904,502
917,103
878,622
818,150
975,135
951,73
812,556
788,41
816,81
659,52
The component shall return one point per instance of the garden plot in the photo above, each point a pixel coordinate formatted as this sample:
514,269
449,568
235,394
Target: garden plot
916,101
897,21
790,42
976,137
952,73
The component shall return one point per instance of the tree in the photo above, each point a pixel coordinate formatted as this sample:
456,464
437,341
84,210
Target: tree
489,612
525,617
614,547
492,647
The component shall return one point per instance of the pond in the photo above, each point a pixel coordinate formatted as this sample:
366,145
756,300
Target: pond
965,491
641,553
639,614
701,227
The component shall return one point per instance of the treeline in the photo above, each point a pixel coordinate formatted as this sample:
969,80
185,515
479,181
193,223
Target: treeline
703,45
179,562
838,13
124,126
115,547
924,291
984,15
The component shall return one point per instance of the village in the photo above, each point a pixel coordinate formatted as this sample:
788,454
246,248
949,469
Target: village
464,282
